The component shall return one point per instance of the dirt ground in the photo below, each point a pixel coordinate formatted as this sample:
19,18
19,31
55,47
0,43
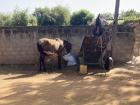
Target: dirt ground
23,86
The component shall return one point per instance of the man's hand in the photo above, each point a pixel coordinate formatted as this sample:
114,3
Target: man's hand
49,53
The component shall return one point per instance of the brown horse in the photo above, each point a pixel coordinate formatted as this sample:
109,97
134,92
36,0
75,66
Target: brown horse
48,47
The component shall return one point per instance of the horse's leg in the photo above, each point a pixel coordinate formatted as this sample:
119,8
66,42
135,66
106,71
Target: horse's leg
59,61
43,62
40,63
40,49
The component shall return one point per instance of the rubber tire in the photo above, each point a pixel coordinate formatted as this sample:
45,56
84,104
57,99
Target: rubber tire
107,64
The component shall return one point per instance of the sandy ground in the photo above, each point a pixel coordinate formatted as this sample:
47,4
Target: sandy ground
120,86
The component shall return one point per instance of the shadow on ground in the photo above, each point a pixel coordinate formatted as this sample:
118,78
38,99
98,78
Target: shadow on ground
120,86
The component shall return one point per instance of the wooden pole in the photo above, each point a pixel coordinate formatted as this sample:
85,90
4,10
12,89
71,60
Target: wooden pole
115,23
116,14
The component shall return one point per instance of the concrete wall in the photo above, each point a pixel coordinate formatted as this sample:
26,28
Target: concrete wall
137,39
18,44
123,46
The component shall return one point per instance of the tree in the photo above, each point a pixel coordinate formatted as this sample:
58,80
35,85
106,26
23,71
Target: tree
43,16
56,16
107,16
61,15
20,18
129,15
32,21
82,17
5,19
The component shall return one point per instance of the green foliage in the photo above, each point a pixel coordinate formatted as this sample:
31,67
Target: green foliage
32,21
20,18
129,15
5,20
43,16
56,16
82,17
61,15
107,15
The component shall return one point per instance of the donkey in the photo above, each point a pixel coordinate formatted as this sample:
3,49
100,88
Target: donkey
48,47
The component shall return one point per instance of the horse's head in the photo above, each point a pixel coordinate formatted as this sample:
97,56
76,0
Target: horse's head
67,46
98,20
99,26
101,21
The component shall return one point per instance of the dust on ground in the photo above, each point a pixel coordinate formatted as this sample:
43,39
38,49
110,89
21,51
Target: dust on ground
23,86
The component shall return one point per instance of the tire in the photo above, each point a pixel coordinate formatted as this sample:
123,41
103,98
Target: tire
108,63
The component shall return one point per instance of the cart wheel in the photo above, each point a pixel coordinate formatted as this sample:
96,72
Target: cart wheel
108,63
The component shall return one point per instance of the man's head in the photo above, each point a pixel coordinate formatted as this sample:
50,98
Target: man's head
67,45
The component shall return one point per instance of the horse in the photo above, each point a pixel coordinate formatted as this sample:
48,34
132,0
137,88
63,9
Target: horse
48,47
99,29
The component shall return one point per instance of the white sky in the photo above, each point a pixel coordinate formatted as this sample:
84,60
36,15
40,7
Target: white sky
95,6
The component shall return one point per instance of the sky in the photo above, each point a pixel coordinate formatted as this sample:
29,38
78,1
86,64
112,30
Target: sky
94,6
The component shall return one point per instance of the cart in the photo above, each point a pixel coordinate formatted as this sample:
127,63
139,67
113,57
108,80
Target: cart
96,50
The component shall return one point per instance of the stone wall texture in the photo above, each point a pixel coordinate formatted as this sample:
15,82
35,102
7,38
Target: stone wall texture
18,44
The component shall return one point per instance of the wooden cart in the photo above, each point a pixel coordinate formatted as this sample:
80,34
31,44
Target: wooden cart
96,50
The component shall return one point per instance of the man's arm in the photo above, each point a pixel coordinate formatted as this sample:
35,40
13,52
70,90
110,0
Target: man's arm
49,53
